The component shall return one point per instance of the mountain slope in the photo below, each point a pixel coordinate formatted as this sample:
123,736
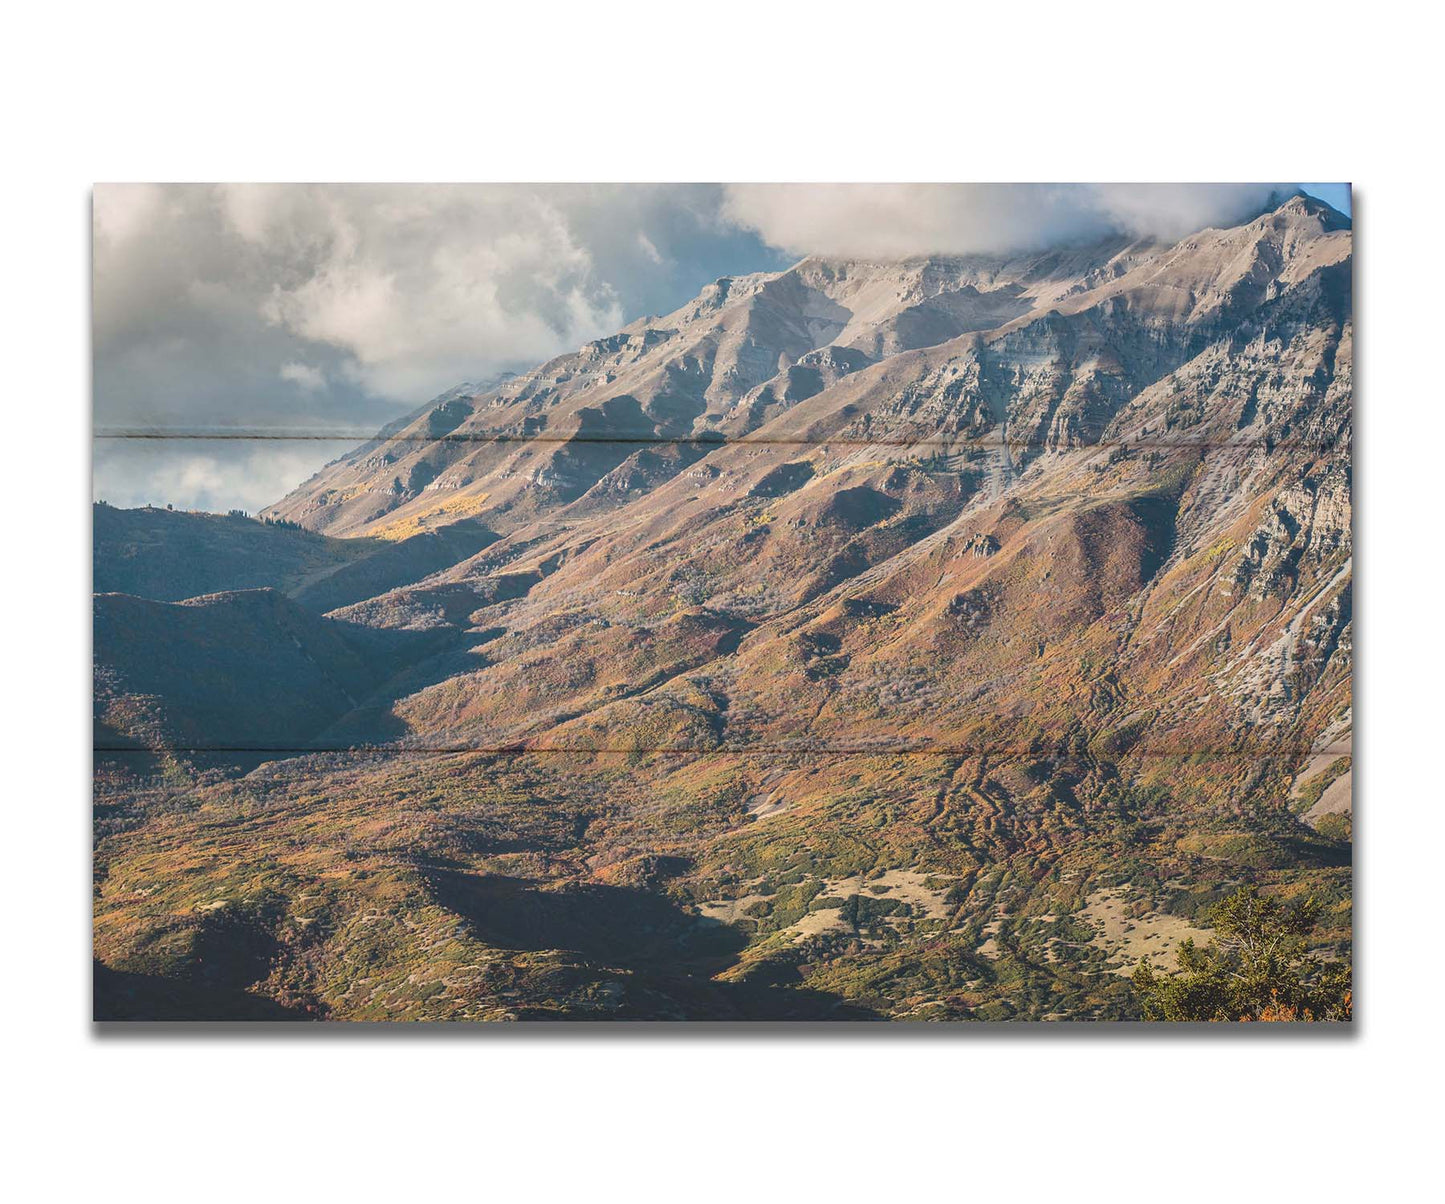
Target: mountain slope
231,671
1157,459
170,555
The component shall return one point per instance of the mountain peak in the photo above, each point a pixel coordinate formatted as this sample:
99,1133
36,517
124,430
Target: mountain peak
1301,204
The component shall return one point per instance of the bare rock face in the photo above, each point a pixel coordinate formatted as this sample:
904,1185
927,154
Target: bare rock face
982,546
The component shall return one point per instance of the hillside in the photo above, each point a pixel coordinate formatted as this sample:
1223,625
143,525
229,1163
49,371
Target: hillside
247,669
923,639
170,555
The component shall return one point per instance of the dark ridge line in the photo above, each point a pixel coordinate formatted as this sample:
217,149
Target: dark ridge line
841,750
703,441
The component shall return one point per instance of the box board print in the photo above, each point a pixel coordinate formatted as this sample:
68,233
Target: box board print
827,602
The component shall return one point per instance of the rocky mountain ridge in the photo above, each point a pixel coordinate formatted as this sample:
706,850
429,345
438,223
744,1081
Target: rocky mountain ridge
1188,404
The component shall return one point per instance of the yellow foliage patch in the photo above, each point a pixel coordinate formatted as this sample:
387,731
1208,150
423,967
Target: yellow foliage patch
462,506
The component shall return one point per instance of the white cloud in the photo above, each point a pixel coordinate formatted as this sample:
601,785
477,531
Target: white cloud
254,211
122,210
894,221
1171,211
336,308
421,285
304,376
202,474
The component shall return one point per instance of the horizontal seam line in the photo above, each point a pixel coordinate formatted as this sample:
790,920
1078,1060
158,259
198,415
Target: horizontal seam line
699,441
836,750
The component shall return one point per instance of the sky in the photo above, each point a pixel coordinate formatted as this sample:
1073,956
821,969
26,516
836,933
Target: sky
245,335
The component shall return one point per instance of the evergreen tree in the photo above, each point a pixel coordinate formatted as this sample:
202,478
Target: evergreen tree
1257,968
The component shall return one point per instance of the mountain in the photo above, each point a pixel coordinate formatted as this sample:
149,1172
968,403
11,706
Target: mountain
171,555
923,639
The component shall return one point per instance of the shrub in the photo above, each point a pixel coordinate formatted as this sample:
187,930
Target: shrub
1257,968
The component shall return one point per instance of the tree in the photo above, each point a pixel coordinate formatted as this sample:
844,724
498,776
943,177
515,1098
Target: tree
1257,967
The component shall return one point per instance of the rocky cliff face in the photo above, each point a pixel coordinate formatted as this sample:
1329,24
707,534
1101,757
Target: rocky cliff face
864,625
1151,443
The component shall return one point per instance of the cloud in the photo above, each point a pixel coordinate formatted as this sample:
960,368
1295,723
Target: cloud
895,221
206,474
388,294
419,287
336,308
304,376
122,210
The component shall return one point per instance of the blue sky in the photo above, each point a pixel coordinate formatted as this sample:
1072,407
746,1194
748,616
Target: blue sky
1337,195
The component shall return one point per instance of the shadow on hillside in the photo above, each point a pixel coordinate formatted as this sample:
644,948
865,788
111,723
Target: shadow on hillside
243,672
1316,851
374,722
202,967
614,924
670,955
119,995
394,565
